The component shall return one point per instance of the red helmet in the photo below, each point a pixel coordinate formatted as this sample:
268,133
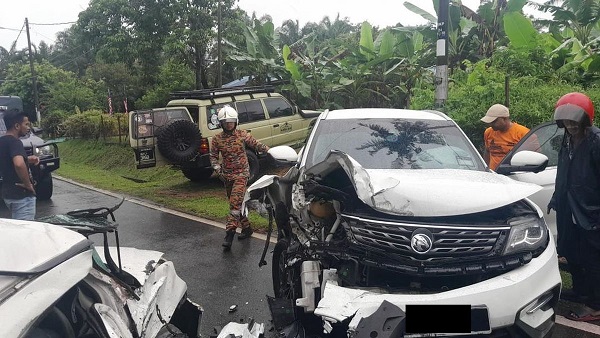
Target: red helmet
575,107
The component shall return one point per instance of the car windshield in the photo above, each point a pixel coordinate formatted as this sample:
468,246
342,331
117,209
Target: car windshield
395,144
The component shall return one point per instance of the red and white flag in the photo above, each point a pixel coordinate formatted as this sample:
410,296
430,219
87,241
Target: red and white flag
110,107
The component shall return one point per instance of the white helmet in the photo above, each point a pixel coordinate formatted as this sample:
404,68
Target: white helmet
227,114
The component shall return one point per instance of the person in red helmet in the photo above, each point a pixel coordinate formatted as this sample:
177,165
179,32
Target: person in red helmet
576,200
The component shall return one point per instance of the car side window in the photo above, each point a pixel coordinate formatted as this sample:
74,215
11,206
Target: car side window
212,119
545,139
278,107
250,111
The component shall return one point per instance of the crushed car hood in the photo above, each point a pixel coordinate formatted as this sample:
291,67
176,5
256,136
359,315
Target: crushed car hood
53,245
426,192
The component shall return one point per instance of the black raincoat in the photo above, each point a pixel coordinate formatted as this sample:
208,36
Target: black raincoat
576,200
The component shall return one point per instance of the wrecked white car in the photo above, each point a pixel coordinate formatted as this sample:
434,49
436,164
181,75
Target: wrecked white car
53,283
390,224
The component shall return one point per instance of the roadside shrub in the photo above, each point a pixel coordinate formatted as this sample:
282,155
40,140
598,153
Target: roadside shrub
52,123
476,89
93,124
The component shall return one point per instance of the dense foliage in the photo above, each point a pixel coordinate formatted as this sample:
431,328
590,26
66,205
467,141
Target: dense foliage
137,52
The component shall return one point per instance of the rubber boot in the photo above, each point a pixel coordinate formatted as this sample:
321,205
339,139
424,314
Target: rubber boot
246,233
228,239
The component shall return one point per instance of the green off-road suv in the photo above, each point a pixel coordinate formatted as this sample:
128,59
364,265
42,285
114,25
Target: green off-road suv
180,133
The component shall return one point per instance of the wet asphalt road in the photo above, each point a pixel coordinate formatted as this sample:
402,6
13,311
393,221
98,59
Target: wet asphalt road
216,279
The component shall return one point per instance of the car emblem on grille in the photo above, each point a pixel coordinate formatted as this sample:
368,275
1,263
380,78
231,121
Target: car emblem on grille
421,241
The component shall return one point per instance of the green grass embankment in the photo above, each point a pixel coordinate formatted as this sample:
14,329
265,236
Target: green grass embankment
111,167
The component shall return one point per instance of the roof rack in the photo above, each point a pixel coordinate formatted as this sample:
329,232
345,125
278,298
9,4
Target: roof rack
220,92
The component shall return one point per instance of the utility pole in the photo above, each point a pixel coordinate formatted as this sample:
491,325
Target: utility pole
219,64
441,70
36,99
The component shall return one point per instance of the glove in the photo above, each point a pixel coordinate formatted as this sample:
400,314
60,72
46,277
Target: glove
219,172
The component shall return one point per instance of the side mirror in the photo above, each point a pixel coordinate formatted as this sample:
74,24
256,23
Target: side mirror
525,160
295,109
283,155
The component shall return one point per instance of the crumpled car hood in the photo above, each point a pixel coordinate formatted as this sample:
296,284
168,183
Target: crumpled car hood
426,192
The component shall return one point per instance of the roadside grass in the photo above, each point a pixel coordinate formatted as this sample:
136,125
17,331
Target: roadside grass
111,167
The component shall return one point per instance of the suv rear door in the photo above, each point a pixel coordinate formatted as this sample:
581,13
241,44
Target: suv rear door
142,132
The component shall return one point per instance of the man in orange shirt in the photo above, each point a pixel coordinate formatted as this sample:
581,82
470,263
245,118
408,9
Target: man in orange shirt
501,135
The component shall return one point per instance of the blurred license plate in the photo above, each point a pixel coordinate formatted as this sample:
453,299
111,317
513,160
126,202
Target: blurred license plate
146,154
145,158
428,320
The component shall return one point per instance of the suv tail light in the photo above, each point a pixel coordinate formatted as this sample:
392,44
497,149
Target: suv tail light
204,147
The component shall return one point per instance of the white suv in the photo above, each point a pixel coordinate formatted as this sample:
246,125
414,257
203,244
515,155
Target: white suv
386,211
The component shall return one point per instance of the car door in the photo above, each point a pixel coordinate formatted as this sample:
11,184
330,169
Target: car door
286,128
252,118
142,127
546,139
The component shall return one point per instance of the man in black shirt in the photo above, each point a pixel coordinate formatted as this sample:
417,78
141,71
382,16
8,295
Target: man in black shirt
17,187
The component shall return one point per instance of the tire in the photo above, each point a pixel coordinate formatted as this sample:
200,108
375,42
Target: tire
179,140
254,166
286,281
197,174
44,188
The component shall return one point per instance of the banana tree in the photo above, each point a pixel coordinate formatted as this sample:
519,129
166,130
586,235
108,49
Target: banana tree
260,57
575,24
461,32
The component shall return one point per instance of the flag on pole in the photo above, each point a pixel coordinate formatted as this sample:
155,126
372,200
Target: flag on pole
110,107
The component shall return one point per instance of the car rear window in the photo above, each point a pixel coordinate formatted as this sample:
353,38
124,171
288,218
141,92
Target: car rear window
146,122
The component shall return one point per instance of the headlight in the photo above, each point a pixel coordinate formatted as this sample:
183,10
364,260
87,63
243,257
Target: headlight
45,151
527,233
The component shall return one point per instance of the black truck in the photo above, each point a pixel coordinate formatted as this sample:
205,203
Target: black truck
34,145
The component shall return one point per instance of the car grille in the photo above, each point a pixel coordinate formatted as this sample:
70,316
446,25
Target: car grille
448,241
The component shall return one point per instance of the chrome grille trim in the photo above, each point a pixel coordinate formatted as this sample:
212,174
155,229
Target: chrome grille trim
449,242
454,228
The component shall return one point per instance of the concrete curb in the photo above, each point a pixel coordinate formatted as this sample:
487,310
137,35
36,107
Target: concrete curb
582,326
155,206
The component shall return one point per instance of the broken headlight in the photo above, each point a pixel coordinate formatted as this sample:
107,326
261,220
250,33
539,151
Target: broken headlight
527,233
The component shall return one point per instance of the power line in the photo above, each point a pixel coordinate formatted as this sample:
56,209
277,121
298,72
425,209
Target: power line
52,24
11,29
14,44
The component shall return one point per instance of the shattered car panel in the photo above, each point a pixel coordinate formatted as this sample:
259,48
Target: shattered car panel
63,287
398,205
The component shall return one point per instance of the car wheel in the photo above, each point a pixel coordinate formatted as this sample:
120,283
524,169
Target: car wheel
286,280
197,174
43,189
179,141
254,166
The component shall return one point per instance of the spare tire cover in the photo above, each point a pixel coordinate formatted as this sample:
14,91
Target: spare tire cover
179,141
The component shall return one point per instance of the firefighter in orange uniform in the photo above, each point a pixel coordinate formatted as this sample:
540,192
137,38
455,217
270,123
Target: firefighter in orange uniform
234,170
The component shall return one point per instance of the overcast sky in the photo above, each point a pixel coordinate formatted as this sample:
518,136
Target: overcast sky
46,16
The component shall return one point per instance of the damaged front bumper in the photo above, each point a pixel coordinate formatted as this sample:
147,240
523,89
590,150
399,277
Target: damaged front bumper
524,297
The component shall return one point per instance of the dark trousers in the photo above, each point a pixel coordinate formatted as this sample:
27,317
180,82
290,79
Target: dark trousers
582,251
